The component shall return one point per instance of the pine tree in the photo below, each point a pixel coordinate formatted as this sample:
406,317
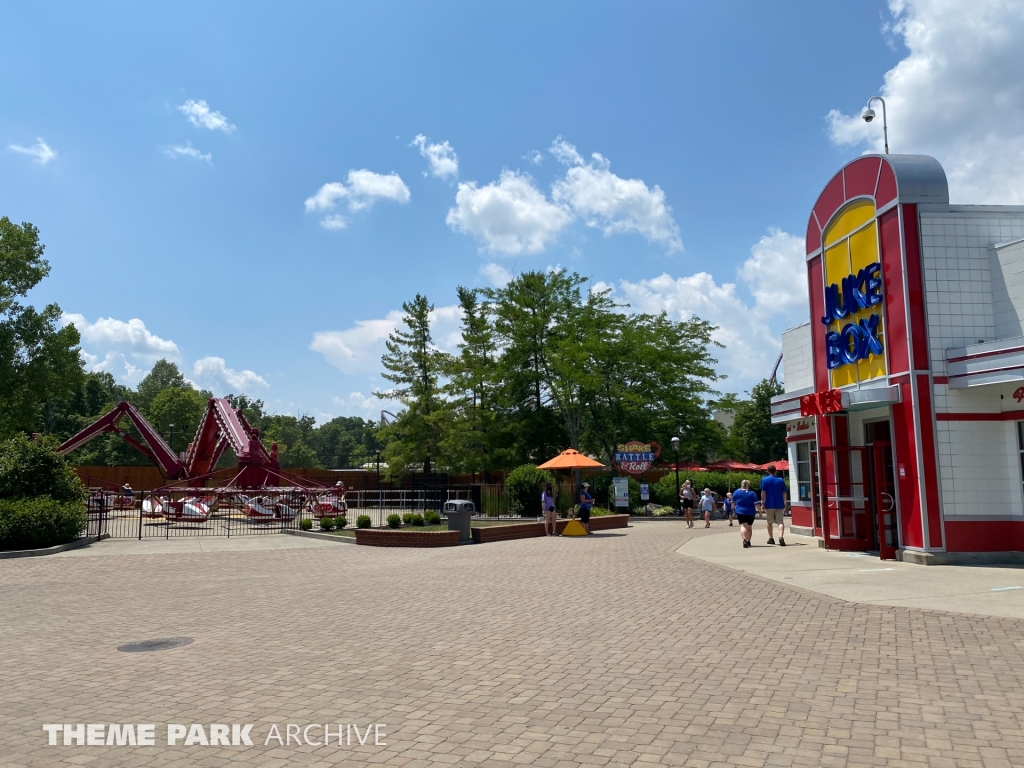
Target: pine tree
414,365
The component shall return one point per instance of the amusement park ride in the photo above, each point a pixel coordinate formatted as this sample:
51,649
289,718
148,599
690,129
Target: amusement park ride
256,485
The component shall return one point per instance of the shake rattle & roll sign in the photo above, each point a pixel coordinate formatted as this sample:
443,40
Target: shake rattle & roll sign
636,457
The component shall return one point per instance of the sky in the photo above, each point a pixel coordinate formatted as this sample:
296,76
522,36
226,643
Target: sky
252,190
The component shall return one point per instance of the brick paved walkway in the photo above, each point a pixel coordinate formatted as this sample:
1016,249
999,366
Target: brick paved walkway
607,651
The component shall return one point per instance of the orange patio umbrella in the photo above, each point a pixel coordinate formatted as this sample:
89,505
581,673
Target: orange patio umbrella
570,458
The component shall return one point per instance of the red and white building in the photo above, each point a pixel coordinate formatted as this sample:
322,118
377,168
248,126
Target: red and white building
904,401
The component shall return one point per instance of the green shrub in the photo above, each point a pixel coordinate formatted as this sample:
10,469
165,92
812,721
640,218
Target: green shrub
363,521
664,511
432,518
523,487
407,518
394,521
40,522
340,522
30,468
326,523
305,524
602,512
417,519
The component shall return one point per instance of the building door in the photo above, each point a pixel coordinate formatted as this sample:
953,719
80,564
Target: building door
846,500
883,487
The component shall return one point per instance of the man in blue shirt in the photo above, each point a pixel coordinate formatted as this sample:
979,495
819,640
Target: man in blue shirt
773,500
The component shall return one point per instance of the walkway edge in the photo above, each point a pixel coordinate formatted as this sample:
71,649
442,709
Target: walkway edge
321,536
81,542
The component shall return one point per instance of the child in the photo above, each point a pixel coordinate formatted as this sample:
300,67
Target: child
707,503
727,505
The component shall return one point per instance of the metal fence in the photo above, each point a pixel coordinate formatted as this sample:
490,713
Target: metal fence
209,512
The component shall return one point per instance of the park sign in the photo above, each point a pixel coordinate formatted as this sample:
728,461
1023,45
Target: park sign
636,457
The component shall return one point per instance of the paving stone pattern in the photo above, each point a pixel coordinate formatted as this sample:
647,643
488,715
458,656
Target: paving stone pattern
608,651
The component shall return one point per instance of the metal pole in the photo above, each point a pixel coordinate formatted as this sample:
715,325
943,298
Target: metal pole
679,509
140,513
885,122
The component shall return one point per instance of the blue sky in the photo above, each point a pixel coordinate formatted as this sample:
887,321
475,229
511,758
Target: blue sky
185,211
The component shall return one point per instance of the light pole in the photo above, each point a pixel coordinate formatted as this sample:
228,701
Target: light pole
869,115
675,449
170,438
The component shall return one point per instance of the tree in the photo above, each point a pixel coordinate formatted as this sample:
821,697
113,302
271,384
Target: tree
472,438
414,365
181,406
753,434
39,360
163,375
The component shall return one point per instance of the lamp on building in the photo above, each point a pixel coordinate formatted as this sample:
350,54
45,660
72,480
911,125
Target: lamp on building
675,449
869,115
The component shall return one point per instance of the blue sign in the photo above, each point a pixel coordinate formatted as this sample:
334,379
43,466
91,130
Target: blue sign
857,340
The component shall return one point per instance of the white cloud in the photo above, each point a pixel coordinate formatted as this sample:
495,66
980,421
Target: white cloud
564,152
334,221
214,370
775,275
511,216
444,163
957,95
357,350
125,349
40,151
534,157
496,274
130,337
201,116
610,203
363,190
188,150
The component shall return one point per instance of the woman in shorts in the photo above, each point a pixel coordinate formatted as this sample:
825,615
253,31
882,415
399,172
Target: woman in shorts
547,505
745,501
686,497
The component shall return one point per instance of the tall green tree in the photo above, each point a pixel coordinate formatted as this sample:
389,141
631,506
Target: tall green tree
753,435
39,360
472,438
175,413
414,365
163,375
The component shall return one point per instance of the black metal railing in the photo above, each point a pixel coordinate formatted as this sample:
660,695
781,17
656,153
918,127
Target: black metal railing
218,512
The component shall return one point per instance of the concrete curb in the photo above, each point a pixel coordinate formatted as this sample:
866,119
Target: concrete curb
81,542
322,536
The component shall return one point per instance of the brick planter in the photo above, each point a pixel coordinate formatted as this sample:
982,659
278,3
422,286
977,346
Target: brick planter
531,530
379,537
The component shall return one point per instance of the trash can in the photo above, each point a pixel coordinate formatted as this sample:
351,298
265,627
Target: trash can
459,513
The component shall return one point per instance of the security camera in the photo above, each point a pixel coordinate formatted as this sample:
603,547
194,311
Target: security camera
869,115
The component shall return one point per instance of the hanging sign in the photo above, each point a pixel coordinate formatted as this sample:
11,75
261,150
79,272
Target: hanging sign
645,492
635,457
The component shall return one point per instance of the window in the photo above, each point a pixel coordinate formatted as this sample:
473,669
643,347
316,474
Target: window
803,466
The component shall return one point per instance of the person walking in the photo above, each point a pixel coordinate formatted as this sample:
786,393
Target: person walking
686,496
547,505
745,501
773,499
586,504
727,507
707,504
